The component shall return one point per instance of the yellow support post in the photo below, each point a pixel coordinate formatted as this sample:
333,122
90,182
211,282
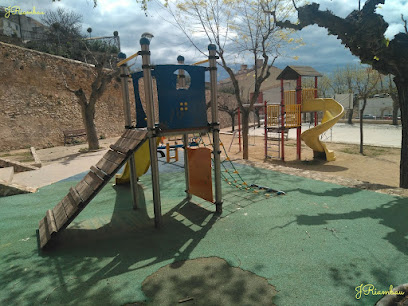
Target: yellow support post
168,153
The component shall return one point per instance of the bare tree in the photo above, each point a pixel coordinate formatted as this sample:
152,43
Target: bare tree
143,3
325,87
87,99
350,76
392,91
366,80
239,29
64,33
345,80
338,80
64,24
362,31
230,110
405,23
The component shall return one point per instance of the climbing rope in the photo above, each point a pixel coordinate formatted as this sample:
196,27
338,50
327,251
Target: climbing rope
237,182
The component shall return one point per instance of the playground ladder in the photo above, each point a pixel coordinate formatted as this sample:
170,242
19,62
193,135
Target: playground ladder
273,147
75,201
273,130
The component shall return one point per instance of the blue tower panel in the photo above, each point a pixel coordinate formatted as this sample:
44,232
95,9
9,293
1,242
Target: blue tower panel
181,108
140,113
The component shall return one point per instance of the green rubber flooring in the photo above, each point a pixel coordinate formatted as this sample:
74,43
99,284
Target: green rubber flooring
314,245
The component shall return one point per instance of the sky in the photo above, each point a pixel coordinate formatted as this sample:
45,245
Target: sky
323,52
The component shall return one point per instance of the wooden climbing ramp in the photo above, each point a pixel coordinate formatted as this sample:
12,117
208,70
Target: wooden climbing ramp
78,197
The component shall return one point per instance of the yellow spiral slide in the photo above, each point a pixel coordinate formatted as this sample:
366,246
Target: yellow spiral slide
332,112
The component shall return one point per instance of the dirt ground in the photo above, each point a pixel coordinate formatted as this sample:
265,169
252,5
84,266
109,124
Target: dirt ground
377,170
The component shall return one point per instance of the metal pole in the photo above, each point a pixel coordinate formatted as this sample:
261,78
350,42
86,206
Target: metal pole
315,95
148,87
239,128
283,120
216,127
266,128
299,128
182,83
118,42
128,125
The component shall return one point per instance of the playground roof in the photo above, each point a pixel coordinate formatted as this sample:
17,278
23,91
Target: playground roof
293,72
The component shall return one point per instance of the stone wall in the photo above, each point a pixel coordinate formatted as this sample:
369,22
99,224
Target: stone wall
36,107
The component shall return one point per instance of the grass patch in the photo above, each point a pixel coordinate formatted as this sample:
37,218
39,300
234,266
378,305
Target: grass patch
83,150
23,156
370,151
86,150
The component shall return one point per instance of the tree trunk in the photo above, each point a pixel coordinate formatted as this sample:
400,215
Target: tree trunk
350,113
361,125
88,114
395,108
258,118
232,121
245,131
402,87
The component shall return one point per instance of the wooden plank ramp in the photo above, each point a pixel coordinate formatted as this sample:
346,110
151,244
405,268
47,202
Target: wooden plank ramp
78,197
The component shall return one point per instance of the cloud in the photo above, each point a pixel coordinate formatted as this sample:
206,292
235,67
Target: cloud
321,51
341,8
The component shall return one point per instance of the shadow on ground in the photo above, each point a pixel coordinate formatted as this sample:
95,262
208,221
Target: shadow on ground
320,240
310,165
393,215
96,251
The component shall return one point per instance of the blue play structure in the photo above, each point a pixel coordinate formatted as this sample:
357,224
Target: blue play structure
181,111
179,108
140,113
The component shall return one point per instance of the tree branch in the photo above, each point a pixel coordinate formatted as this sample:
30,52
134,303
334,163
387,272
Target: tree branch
362,32
405,23
79,93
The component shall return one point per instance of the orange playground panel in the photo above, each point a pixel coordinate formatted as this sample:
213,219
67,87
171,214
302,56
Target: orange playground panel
199,168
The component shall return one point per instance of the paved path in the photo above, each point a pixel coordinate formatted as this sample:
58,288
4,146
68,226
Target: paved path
374,134
60,163
60,170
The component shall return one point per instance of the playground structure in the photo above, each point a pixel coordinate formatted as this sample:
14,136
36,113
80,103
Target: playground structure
279,118
169,149
172,149
181,111
231,176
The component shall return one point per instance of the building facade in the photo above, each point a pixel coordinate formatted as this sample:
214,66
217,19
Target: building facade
21,26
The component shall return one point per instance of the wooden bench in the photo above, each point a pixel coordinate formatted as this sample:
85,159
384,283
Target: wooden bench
72,134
